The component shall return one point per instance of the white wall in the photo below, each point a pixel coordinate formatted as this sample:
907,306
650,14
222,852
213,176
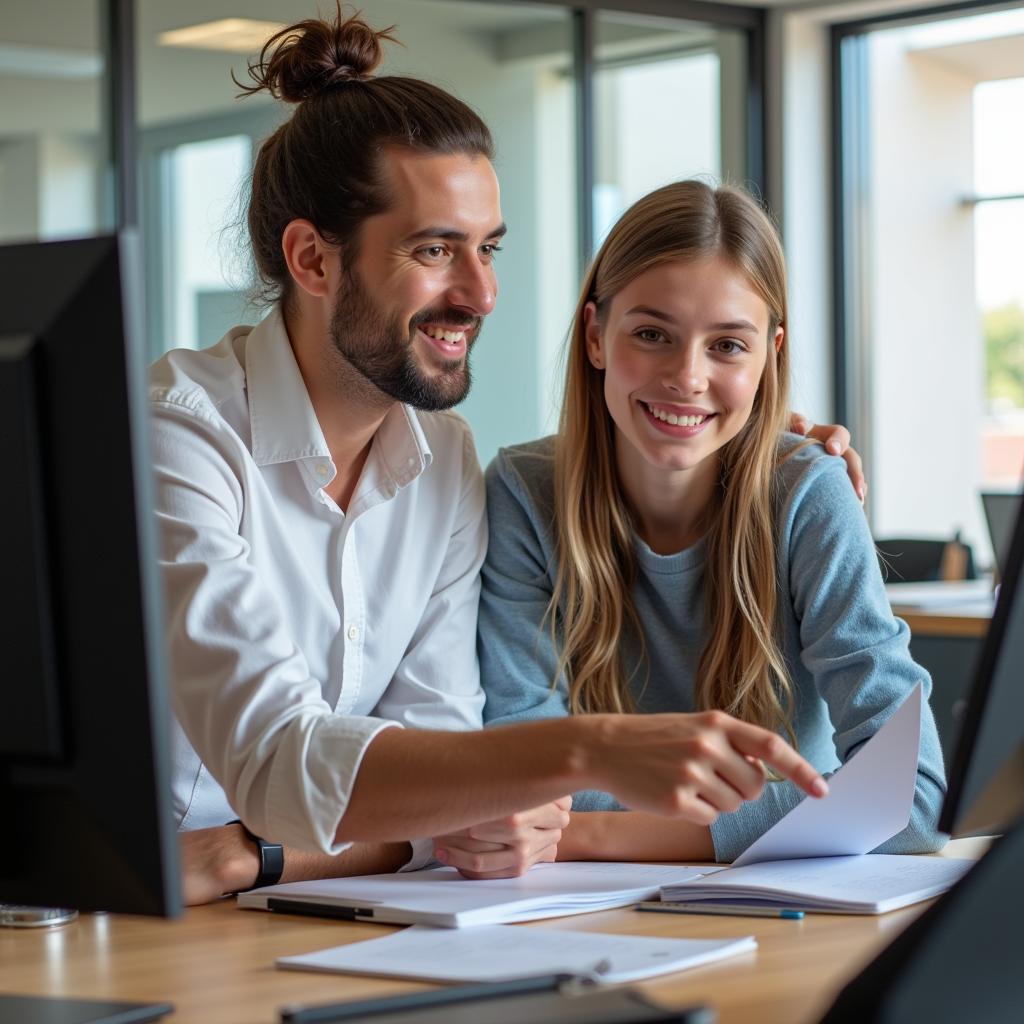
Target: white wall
928,358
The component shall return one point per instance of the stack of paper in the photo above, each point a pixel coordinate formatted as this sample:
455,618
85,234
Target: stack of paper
442,897
493,953
815,857
870,884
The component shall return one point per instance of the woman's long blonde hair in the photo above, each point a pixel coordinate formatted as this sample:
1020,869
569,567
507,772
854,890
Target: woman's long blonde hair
741,669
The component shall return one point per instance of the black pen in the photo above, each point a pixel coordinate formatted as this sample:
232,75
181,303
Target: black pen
328,1013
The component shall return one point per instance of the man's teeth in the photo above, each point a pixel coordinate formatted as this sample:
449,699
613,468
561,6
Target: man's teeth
442,335
674,420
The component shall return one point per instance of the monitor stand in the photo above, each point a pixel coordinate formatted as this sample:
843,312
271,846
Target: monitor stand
13,915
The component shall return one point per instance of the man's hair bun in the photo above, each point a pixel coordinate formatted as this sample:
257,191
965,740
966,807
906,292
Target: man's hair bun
315,56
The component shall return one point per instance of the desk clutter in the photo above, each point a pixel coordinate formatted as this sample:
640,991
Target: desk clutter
816,859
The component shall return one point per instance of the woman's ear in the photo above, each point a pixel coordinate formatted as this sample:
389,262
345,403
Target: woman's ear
592,335
780,334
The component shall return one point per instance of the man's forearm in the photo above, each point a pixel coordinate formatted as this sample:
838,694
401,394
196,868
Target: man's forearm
360,859
220,860
692,766
418,783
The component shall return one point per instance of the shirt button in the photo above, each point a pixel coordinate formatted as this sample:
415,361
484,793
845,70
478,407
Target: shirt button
322,469
353,632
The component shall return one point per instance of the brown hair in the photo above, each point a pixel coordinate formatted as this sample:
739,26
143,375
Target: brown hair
323,164
742,670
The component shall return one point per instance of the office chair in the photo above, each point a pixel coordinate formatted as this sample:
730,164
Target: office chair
916,560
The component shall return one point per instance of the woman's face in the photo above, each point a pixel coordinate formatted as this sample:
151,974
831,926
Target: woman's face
683,347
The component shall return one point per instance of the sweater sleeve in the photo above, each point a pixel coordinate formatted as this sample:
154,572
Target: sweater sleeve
852,647
518,657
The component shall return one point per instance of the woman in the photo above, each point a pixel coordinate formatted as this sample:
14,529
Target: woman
674,549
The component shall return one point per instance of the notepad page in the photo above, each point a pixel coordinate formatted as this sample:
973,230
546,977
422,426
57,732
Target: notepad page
505,953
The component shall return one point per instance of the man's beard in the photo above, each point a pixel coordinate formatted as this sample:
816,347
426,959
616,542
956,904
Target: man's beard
375,347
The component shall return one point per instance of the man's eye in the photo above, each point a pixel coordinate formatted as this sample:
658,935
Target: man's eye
489,250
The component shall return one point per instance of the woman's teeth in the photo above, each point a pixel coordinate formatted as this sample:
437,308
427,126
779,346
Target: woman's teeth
675,421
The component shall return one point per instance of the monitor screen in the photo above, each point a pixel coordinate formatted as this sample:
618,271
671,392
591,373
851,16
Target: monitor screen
986,774
84,770
1000,515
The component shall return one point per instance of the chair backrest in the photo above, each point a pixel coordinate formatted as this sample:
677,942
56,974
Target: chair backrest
916,559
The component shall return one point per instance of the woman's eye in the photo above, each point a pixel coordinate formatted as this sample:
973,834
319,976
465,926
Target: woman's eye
729,347
650,334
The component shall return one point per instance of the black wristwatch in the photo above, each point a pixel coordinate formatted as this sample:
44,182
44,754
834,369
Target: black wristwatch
271,859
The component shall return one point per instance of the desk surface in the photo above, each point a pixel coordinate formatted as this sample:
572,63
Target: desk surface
216,964
952,609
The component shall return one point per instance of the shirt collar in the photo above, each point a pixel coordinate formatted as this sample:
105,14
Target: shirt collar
284,425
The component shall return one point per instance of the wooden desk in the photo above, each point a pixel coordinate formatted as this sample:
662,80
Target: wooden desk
945,639
948,609
216,964
966,621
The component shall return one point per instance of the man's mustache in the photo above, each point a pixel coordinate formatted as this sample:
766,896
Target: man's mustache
449,317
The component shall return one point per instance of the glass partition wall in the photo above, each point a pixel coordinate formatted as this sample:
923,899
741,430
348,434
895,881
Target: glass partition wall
591,104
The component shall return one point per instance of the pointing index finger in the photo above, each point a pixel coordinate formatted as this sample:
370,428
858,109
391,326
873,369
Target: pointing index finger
753,741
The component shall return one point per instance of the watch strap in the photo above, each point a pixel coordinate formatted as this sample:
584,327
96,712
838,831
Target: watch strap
271,859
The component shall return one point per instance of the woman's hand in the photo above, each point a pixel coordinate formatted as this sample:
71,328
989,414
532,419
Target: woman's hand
507,847
836,439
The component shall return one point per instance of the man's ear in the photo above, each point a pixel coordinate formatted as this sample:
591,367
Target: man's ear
308,258
592,335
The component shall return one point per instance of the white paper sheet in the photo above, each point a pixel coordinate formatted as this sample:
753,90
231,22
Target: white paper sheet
869,799
505,953
441,896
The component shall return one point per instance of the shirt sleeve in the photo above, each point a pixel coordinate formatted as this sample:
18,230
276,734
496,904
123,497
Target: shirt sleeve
437,682
240,686
854,648
518,658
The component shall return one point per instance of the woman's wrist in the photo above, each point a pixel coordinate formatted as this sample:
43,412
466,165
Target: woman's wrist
577,839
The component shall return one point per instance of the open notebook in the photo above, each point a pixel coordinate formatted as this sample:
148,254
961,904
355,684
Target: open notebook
866,884
817,857
441,896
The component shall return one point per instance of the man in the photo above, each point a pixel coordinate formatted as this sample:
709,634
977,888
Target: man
322,525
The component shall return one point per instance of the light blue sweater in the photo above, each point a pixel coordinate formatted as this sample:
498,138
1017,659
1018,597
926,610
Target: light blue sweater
847,654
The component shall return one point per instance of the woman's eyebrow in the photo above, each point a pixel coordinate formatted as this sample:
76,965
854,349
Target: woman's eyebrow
734,325
651,311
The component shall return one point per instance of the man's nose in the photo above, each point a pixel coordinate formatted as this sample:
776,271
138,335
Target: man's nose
474,287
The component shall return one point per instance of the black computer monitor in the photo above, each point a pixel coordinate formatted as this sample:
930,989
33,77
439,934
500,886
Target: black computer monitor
84,761
986,773
960,960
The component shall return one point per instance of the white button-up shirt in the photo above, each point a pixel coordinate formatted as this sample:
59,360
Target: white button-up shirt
296,632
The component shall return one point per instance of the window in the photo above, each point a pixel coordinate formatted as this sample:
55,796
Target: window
55,172
932,294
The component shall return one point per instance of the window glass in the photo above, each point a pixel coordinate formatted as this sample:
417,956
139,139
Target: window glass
938,360
512,62
54,169
670,103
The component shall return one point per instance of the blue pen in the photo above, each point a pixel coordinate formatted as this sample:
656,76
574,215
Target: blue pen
723,909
